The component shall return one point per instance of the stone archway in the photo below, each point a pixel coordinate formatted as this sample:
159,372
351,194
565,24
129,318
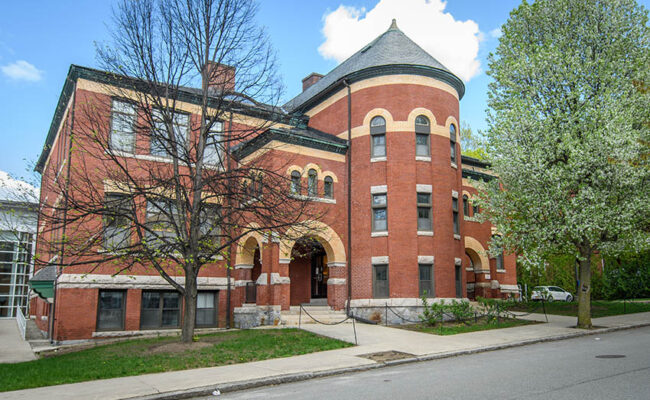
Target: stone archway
324,256
477,255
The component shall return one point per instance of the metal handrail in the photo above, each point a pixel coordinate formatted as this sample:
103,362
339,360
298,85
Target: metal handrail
21,321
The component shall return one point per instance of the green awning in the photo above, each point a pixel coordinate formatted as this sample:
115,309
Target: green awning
42,283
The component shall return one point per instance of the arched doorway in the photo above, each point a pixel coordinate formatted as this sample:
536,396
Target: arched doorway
308,271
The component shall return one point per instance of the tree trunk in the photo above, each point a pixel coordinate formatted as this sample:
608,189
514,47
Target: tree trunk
189,313
584,292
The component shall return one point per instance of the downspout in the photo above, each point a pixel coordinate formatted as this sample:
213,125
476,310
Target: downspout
349,162
59,268
229,265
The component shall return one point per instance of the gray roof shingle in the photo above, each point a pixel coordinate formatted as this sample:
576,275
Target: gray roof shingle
392,47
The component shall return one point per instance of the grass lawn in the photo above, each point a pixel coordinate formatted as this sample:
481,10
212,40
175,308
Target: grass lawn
143,356
453,328
599,308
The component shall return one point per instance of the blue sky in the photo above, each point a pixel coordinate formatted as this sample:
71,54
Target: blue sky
51,35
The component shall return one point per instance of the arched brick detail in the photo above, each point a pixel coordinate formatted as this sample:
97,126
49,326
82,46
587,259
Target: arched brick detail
246,248
421,111
325,235
474,248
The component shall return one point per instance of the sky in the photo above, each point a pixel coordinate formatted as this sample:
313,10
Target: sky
40,39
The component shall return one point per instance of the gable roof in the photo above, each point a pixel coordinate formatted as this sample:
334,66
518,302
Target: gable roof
391,49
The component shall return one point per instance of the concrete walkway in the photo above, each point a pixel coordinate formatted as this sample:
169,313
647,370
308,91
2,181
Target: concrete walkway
13,348
372,338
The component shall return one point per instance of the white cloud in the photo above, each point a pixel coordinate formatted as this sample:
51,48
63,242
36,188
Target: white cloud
496,33
22,70
454,43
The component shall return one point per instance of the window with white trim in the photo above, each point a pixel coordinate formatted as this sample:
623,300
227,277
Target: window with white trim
161,144
123,115
213,150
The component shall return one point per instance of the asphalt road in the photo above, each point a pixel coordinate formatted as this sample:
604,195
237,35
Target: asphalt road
567,369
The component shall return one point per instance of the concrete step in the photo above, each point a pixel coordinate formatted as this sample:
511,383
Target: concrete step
322,313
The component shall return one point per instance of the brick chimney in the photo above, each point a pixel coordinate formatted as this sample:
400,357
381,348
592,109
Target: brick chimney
220,76
310,80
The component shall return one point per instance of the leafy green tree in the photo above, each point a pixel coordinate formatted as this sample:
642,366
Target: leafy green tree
472,144
566,128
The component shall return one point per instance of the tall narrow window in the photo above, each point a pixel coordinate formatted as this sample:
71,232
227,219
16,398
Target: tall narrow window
212,153
110,313
312,183
426,280
499,257
452,142
454,208
378,137
122,126
379,213
206,309
424,212
475,209
161,144
295,182
117,222
465,205
380,281
328,187
259,185
422,135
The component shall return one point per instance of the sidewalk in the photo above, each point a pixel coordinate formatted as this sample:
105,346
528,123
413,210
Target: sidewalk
13,348
372,339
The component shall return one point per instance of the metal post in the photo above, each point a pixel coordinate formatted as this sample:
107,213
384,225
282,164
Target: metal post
354,327
300,316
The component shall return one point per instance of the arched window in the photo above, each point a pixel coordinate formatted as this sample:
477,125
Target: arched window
312,183
378,137
295,182
465,205
328,187
452,142
422,135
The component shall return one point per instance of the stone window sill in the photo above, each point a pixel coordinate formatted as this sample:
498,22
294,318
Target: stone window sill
423,158
457,237
454,165
501,271
425,233
379,234
377,159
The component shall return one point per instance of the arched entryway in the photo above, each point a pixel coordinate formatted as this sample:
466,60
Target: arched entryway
308,271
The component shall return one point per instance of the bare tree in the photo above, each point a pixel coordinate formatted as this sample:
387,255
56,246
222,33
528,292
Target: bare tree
153,185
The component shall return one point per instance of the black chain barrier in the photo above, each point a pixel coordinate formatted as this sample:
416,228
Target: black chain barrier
328,323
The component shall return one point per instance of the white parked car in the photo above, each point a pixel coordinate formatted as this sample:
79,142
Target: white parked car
551,293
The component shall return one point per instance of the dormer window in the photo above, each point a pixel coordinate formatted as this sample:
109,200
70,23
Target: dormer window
378,137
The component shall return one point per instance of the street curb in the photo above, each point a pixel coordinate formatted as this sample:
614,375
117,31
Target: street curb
303,376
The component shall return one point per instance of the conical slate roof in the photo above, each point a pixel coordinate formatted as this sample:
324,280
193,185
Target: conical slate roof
392,47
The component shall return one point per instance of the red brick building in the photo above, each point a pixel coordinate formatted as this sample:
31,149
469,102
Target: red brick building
411,229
